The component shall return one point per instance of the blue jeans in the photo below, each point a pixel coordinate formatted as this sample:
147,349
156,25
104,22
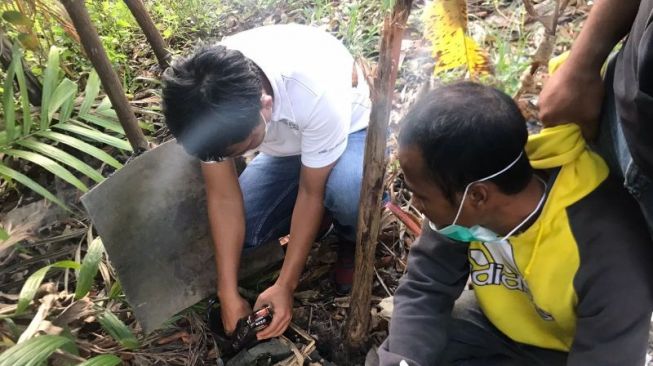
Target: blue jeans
270,184
612,146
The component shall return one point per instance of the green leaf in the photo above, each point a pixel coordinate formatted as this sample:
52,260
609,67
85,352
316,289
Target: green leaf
102,360
115,291
103,122
67,109
95,135
34,282
29,41
29,183
8,102
63,157
106,109
109,113
90,93
89,268
4,235
81,146
17,55
33,352
50,80
11,328
62,94
118,330
16,18
49,165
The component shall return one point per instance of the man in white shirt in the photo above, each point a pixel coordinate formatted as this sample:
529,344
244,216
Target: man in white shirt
293,93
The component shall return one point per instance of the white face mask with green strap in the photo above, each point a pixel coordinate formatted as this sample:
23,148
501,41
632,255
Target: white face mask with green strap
478,232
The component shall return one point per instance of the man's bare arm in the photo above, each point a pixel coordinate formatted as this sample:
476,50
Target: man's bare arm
305,222
227,220
575,92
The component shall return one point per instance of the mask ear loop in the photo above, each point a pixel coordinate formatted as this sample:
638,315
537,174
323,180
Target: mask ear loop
460,208
537,209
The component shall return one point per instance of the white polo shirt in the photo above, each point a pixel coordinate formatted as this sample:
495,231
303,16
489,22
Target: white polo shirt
315,106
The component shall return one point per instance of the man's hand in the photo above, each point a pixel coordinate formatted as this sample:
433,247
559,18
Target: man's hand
233,309
573,95
280,299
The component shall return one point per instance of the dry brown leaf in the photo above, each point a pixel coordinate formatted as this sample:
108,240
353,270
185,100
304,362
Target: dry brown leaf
446,22
183,335
78,310
38,320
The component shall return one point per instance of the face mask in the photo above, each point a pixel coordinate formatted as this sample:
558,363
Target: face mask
477,232
251,152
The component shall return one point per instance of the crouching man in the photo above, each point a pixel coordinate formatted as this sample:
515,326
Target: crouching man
557,253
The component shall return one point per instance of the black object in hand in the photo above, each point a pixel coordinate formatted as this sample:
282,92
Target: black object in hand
244,336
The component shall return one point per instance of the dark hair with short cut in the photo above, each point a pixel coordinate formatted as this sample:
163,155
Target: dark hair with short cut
211,100
467,131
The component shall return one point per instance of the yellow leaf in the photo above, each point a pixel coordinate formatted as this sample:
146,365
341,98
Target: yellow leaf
446,23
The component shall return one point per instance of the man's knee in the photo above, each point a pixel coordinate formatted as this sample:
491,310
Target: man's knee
342,192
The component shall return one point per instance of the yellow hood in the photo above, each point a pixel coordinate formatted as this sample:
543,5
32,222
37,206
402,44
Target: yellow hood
581,170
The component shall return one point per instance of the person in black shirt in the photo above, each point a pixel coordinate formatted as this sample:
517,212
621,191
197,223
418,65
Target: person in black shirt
616,112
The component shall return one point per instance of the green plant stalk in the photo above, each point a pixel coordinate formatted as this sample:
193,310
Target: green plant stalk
8,102
22,86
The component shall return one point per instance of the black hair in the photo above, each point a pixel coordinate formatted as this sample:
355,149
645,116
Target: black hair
465,132
211,100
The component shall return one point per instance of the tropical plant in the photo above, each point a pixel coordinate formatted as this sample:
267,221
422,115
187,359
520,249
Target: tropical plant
118,330
33,21
36,351
38,135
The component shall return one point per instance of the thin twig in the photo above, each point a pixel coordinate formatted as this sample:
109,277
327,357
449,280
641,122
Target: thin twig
393,254
382,283
298,356
310,319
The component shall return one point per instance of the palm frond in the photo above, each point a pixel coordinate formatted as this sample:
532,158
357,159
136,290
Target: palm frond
8,102
49,165
62,157
94,135
78,128
35,351
30,183
81,146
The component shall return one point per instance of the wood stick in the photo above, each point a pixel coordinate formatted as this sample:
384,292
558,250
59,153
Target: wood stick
369,217
151,33
93,47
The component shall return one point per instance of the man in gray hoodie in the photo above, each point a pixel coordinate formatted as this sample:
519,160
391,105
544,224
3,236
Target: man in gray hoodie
556,251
